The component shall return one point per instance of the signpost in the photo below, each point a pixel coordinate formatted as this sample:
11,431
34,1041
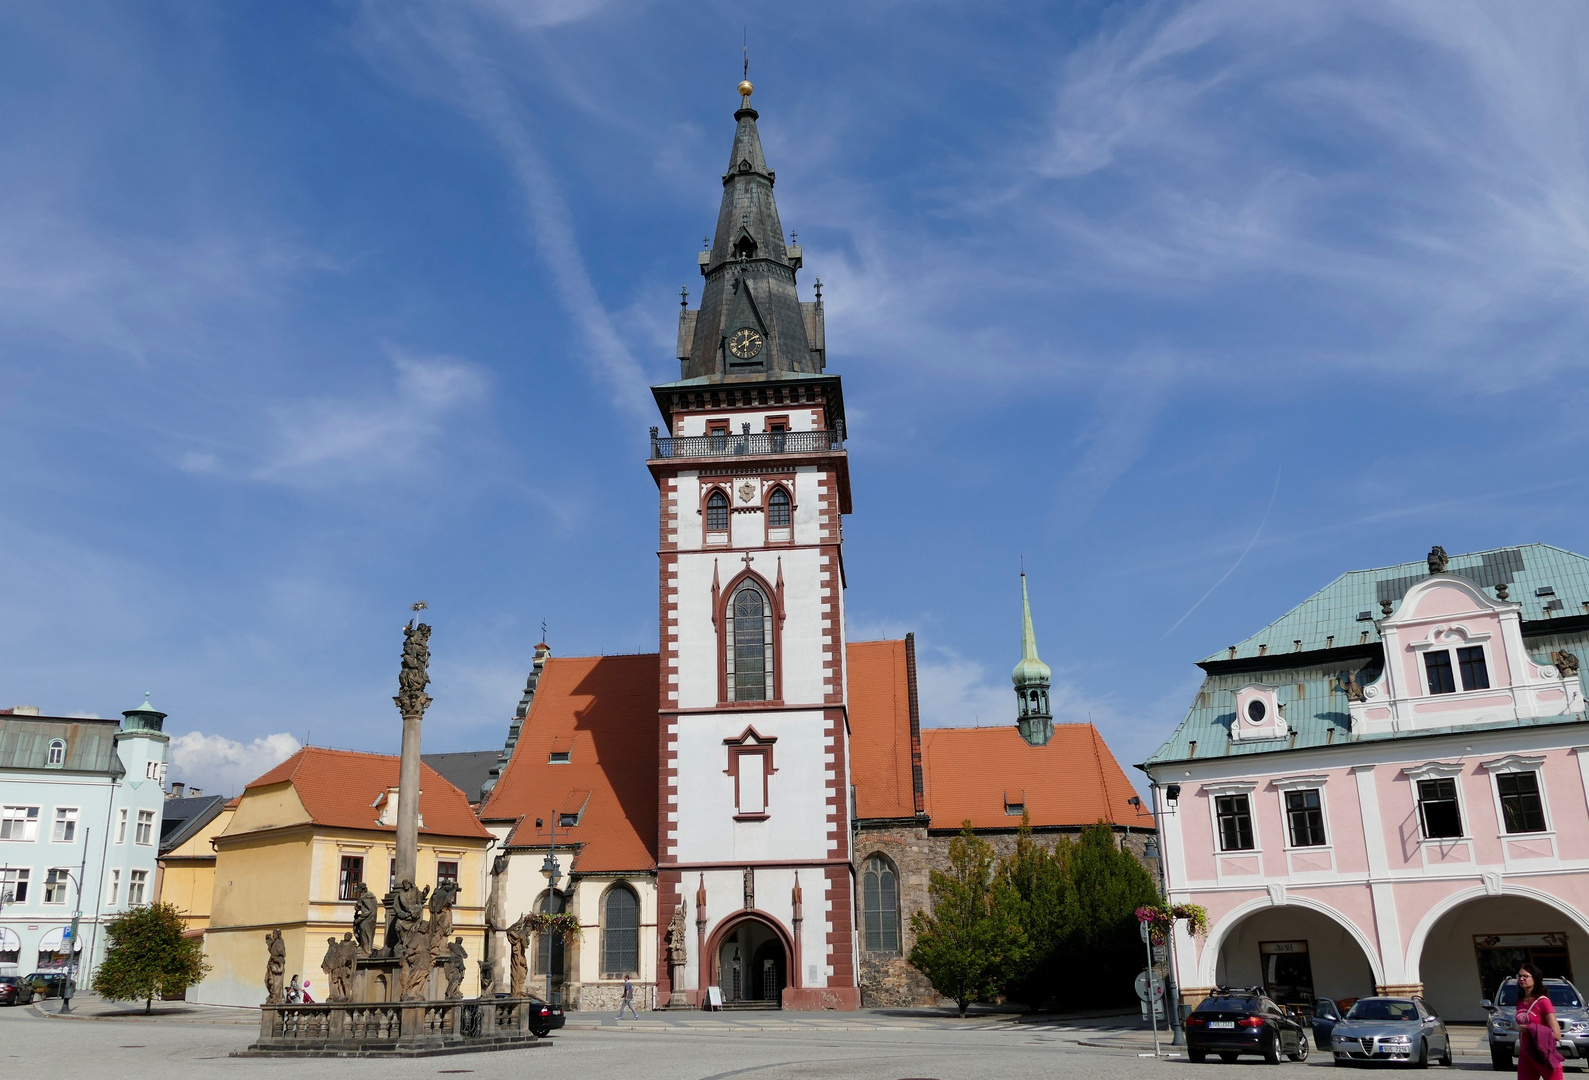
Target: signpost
1145,985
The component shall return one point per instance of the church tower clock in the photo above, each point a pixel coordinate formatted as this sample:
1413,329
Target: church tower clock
754,809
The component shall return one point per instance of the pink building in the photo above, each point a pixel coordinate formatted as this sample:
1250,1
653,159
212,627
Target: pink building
1387,789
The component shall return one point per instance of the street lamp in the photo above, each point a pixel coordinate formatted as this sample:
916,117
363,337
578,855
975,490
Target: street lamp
550,868
72,944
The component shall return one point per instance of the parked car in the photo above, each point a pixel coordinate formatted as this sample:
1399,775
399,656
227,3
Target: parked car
1570,1011
551,1016
47,984
14,990
1325,1017
1393,1029
1233,1021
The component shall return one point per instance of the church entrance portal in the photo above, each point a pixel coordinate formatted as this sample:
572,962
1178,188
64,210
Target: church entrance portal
751,965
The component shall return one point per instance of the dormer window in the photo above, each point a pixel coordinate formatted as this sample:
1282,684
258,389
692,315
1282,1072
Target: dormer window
1257,710
560,757
567,821
745,246
57,754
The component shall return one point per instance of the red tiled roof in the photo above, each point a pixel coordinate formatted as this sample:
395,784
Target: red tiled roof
1073,781
603,711
880,730
339,788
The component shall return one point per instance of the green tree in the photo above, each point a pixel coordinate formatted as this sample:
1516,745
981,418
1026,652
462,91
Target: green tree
1035,883
148,957
965,943
1110,885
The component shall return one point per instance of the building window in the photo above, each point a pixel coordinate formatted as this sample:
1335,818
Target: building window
19,823
113,894
145,832
446,870
10,948
1305,816
780,436
1438,809
1475,676
135,886
13,885
391,876
1522,810
620,932
55,885
351,877
65,825
778,509
1235,822
1438,667
717,512
750,764
560,757
552,944
121,825
880,905
749,645
56,757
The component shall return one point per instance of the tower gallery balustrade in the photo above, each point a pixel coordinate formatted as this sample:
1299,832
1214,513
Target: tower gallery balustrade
744,444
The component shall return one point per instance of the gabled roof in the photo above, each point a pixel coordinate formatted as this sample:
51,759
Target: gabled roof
467,770
1073,781
90,744
882,736
338,789
181,818
1334,611
602,712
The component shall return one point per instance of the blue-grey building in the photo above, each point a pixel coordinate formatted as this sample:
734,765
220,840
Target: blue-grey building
80,814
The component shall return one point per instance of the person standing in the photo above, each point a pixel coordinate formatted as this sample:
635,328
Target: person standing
1538,1030
628,1000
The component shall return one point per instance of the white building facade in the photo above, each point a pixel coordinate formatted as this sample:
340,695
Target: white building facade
80,811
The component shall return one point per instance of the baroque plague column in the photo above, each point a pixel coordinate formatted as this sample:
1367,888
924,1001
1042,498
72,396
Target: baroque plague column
753,480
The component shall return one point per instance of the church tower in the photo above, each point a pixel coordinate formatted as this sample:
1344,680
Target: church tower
1032,679
754,815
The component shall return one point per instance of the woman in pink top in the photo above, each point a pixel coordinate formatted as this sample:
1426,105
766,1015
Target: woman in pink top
1538,1030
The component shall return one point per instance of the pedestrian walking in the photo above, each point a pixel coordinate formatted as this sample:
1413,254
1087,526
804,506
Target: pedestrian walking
628,1000
1537,1026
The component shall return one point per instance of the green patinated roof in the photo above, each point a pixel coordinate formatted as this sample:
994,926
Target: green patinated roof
1030,670
1309,679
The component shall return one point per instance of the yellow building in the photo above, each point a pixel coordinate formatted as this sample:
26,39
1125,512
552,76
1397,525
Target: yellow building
186,873
302,836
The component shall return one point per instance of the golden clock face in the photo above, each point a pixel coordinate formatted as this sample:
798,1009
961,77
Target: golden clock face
745,343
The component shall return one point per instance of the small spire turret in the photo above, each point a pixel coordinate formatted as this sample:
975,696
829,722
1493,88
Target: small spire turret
1033,680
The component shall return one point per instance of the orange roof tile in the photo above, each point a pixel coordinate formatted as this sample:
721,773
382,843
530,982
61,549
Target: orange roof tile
603,711
880,737
339,788
1073,781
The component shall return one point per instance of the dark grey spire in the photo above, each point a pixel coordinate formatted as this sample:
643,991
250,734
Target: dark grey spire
750,322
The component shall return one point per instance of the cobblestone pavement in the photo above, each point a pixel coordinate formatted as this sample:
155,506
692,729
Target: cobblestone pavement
871,1045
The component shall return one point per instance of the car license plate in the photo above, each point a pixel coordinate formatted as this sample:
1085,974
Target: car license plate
1227,1024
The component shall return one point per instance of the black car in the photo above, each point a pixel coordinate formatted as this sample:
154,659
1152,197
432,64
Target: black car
47,984
14,990
550,1016
1233,1021
1325,1017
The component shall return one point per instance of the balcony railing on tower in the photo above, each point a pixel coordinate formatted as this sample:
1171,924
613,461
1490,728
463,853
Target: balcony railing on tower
744,444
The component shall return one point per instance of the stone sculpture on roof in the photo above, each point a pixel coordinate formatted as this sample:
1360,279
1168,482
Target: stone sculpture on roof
1438,560
1566,663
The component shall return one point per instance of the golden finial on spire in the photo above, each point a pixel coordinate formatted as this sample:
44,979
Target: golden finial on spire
745,90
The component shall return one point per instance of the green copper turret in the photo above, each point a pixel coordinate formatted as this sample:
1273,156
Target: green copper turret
1032,680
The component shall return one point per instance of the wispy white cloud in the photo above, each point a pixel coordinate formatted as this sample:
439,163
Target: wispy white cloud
223,766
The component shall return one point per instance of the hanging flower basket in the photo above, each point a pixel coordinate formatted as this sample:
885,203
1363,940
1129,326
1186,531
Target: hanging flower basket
564,924
1160,919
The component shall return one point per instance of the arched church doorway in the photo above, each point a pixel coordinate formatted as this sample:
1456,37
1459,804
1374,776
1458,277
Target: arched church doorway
752,965
1475,945
1297,955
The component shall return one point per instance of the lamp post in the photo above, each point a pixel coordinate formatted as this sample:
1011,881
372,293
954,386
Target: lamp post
550,868
69,987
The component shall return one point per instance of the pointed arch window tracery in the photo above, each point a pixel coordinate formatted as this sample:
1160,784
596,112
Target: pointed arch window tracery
748,655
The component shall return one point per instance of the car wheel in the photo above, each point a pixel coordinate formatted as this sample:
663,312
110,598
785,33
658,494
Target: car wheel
1301,1053
1500,1058
540,1032
1197,1057
1271,1049
1225,1055
1445,1055
1422,1060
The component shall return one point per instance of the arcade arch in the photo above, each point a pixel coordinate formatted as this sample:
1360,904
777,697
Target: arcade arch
750,958
1297,953
1467,945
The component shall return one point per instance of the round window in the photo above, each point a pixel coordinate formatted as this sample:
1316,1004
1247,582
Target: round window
1256,711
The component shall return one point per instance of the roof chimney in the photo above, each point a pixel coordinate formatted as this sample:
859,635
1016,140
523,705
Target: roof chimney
177,788
24,710
194,793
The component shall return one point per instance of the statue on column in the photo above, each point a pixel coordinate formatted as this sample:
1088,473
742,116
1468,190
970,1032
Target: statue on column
519,942
496,923
341,960
453,965
441,902
405,910
275,968
414,676
678,956
417,960
488,978
365,911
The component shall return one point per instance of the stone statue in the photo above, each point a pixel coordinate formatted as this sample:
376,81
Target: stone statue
275,968
678,956
496,923
1353,688
416,958
750,887
341,960
441,902
1566,663
1438,560
453,965
488,978
519,942
411,698
405,910
365,911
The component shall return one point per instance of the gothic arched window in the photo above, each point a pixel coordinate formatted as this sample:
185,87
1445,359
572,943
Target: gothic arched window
552,944
749,652
717,512
620,932
778,509
880,905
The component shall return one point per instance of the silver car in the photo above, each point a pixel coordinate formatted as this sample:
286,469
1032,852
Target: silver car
1570,1011
1400,1030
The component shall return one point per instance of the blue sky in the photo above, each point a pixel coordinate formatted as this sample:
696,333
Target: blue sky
310,311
